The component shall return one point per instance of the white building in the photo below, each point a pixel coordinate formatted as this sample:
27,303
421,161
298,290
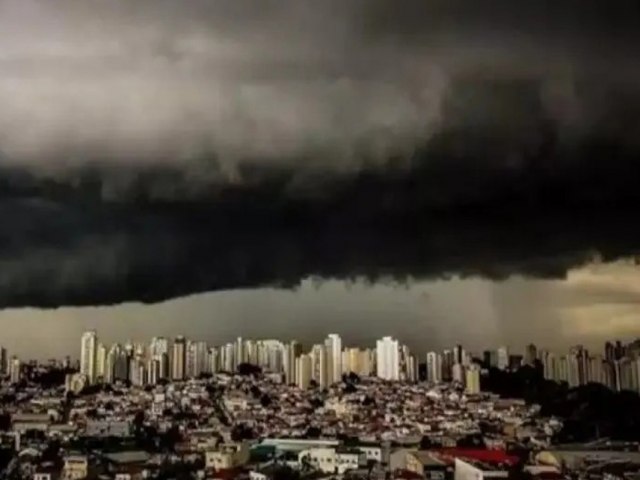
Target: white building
15,370
458,373
178,358
101,361
470,471
303,371
334,357
388,359
88,344
331,460
503,358
434,367
319,365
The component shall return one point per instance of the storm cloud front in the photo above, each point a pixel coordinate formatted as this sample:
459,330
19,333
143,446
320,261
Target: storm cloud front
154,149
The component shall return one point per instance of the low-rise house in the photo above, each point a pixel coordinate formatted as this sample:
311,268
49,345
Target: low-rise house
474,470
76,467
128,465
331,460
227,456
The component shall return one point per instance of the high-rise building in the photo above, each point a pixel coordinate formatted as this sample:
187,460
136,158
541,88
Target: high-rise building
458,354
388,359
355,360
214,360
15,370
227,358
319,366
503,358
531,354
291,353
458,373
304,371
411,369
158,346
110,364
178,358
88,344
4,363
333,344
239,354
196,359
251,349
434,367
101,362
137,372
472,377
447,365
596,370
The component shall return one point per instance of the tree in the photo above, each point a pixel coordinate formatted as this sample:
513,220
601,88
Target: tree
313,432
241,432
248,369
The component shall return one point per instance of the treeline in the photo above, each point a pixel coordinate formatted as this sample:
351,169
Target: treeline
589,411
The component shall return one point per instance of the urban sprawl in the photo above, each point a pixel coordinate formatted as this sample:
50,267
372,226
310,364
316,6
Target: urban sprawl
267,409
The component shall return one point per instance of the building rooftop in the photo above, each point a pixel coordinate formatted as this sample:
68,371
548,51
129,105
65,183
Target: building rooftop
135,456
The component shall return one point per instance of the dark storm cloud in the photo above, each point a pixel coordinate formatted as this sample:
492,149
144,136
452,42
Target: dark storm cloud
153,149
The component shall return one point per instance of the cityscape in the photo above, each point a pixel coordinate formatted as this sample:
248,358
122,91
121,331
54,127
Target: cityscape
268,409
617,368
319,240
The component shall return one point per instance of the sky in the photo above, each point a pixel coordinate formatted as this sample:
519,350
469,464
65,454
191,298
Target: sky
165,159
595,303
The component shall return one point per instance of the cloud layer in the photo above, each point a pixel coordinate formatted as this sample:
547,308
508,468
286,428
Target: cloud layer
152,149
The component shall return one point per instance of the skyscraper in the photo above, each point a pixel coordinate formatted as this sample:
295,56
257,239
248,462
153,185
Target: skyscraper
15,370
303,371
4,364
159,346
319,370
214,360
388,359
178,358
334,357
101,361
472,380
239,353
531,354
458,373
88,355
434,367
291,353
503,358
458,354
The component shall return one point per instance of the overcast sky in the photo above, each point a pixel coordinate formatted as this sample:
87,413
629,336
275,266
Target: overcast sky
594,304
210,154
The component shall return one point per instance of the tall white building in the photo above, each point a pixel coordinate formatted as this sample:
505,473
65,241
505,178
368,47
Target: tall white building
434,367
304,371
214,360
178,358
503,358
239,353
388,359
101,361
290,354
15,370
159,346
88,344
458,373
333,343
319,370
